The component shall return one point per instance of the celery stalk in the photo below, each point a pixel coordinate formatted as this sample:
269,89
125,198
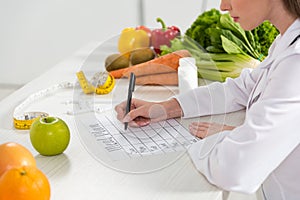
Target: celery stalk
219,66
216,75
213,66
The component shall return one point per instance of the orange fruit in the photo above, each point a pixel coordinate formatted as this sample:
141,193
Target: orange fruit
24,183
14,155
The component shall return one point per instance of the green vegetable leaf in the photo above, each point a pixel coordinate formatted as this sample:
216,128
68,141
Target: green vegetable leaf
226,22
231,47
264,35
206,29
246,48
221,47
197,31
215,49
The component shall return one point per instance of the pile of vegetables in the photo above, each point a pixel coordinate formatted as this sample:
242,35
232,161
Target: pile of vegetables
221,47
138,50
159,71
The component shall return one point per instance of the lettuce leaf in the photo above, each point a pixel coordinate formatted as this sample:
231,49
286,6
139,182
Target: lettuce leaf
208,28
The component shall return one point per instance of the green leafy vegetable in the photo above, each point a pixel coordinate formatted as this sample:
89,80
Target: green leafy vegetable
208,28
197,31
231,47
264,35
221,47
212,66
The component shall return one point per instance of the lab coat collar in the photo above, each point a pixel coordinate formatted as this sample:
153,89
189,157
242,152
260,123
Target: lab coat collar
281,43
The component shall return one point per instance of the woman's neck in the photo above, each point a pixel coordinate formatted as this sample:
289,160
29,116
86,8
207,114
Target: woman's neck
281,18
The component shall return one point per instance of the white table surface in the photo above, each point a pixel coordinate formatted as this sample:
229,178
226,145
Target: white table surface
75,174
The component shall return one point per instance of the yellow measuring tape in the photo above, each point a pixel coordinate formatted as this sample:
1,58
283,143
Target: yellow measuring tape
24,121
102,83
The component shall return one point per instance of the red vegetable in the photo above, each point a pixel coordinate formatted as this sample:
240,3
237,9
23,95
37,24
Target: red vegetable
163,36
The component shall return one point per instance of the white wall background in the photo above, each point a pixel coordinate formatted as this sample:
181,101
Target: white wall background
181,13
37,34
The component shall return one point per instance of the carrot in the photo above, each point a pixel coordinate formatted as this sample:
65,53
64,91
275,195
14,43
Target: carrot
150,68
118,73
162,64
170,78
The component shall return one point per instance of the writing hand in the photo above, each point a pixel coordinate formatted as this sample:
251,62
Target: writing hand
143,113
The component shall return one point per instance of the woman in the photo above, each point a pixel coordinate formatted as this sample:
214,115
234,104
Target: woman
264,151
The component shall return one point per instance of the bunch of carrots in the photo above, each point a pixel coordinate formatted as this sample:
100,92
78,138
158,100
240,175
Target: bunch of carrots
161,70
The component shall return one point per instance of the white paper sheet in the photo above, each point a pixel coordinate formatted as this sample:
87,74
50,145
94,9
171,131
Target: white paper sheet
157,138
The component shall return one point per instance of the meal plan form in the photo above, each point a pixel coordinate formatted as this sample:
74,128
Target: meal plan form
157,138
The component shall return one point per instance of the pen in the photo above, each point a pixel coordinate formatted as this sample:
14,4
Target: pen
130,91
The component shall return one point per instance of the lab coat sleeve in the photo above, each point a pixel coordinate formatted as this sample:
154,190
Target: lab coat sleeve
217,98
240,160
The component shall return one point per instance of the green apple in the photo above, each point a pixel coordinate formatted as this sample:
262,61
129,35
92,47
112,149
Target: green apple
49,135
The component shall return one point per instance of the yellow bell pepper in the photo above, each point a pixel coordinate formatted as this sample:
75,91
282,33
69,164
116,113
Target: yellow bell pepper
131,39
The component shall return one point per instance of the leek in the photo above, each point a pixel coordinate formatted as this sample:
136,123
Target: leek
213,66
218,67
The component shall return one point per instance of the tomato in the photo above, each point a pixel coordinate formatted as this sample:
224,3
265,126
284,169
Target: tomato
24,183
14,155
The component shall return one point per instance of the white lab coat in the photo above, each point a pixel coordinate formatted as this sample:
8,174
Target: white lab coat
264,150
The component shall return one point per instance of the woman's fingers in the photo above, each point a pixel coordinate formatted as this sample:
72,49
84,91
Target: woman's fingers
138,115
139,121
120,109
198,131
204,129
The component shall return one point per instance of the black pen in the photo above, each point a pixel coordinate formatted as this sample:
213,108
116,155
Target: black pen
130,91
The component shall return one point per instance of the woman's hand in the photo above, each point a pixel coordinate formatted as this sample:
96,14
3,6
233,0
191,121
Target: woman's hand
204,129
143,113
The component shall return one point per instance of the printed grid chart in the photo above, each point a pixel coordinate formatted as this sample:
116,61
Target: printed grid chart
156,138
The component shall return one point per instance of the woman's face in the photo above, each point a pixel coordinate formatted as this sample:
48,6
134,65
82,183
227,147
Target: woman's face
248,13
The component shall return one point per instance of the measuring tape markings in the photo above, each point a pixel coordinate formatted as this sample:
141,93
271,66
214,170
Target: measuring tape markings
23,120
86,87
104,84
